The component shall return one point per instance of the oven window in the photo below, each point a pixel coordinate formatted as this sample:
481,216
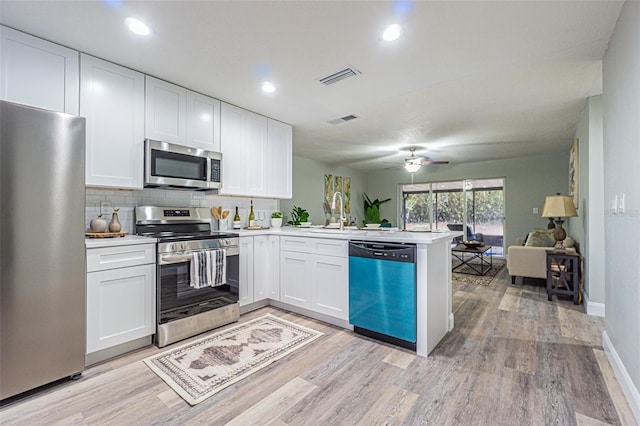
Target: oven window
181,166
176,293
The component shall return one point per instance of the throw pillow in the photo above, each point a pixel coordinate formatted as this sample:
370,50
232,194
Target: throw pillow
540,238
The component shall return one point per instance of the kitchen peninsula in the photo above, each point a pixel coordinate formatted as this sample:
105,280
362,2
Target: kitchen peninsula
313,275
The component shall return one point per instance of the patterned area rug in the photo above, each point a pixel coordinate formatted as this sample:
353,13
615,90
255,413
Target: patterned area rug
475,279
199,369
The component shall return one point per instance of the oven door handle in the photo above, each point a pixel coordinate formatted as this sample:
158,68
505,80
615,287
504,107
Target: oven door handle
167,259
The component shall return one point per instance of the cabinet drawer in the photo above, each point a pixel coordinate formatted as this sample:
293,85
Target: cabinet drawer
101,259
299,244
339,248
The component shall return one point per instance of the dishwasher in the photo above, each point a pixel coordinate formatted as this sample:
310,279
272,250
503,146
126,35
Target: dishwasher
382,291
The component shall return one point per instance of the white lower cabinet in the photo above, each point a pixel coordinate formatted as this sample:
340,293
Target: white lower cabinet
314,274
260,269
246,271
330,286
121,295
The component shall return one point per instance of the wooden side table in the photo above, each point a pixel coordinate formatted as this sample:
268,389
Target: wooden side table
563,274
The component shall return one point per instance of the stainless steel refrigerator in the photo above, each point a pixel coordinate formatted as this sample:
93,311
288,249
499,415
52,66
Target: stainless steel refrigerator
42,252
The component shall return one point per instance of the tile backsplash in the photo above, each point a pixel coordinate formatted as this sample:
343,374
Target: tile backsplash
103,201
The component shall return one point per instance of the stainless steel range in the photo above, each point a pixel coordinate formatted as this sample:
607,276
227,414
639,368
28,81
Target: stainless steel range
182,309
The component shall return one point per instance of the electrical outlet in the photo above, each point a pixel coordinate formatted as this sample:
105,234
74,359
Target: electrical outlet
535,210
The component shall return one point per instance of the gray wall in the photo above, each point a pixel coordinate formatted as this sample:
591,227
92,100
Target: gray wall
621,105
588,228
528,181
308,189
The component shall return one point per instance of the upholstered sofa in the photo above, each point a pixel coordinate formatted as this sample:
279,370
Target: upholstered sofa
530,261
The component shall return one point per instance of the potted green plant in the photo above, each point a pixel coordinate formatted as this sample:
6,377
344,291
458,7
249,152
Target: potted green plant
298,216
372,209
276,219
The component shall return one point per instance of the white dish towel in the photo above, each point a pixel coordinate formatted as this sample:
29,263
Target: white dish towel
208,268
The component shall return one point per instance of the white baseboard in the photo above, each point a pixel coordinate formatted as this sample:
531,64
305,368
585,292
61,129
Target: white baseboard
593,308
629,389
451,322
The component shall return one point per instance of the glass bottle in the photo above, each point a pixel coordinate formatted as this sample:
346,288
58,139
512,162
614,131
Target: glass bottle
236,220
252,217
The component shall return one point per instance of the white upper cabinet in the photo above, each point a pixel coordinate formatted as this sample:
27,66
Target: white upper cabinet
243,145
165,111
203,121
37,72
112,100
279,159
177,115
257,154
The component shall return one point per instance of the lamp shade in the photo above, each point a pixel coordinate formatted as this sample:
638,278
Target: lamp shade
559,206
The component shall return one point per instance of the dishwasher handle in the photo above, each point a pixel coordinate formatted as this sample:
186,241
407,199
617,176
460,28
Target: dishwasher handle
383,251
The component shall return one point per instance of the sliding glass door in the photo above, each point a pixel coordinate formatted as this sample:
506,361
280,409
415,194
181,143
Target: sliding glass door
474,206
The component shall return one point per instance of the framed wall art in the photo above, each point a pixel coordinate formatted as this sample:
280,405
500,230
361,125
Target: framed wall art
573,173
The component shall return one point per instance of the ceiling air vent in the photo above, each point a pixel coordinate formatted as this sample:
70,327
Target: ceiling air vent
340,75
343,119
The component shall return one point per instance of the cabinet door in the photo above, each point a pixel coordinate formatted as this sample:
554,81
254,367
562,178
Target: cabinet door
112,100
246,271
274,264
261,267
165,111
232,148
279,159
203,121
37,72
255,152
330,284
120,306
295,269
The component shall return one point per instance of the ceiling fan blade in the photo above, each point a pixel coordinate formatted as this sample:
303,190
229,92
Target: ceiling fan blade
430,162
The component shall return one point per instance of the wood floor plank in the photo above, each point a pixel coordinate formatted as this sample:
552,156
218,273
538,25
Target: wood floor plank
390,409
271,407
399,358
615,390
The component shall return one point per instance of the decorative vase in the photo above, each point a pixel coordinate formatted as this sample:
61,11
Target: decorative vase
98,224
115,225
276,222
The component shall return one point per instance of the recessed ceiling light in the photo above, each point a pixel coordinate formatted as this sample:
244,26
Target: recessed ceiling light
268,87
138,26
392,32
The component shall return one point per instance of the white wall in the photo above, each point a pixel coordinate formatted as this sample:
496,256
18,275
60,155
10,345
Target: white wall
308,189
621,106
528,181
588,228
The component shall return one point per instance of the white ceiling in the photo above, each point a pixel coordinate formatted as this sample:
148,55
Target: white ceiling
468,81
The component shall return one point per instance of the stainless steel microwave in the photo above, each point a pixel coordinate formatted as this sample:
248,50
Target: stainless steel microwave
168,165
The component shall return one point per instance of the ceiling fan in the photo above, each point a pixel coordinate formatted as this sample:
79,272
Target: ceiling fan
412,164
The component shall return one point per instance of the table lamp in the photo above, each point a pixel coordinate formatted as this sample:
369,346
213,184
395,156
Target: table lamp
559,206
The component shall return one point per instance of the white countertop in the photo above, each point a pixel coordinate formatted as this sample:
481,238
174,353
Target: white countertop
355,234
117,241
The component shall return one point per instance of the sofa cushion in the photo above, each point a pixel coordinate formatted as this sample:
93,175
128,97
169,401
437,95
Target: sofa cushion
540,238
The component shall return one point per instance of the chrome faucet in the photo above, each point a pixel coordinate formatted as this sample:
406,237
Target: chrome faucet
333,207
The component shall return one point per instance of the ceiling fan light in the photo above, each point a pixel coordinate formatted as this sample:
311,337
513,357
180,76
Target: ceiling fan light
411,167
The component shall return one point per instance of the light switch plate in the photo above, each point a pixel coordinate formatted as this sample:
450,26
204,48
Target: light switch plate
614,205
535,210
621,204
106,207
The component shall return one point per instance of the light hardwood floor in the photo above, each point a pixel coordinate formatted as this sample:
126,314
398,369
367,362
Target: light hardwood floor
513,359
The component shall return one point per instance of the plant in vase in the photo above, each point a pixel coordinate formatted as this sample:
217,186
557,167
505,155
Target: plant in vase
298,216
276,219
372,209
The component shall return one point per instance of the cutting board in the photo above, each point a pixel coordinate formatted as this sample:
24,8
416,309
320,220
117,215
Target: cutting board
105,234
